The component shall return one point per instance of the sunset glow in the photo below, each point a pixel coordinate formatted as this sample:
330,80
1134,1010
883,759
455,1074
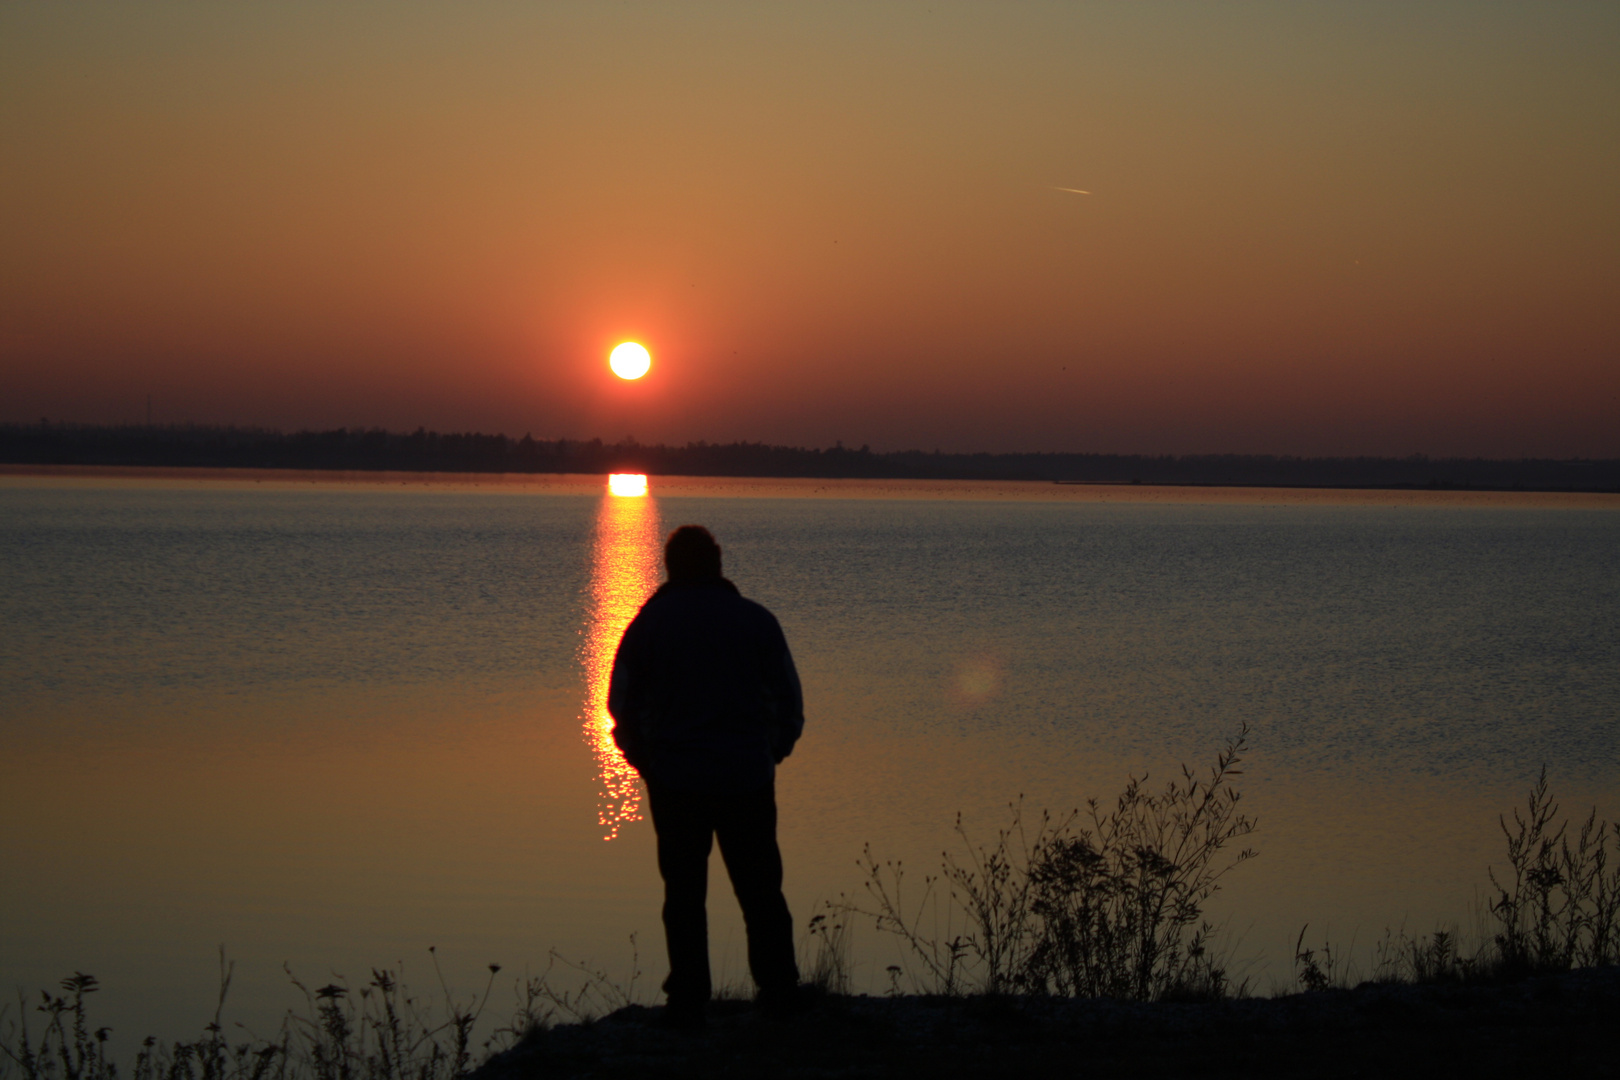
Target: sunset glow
624,571
1297,229
630,361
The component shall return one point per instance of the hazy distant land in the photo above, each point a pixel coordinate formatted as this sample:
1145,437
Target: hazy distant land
371,450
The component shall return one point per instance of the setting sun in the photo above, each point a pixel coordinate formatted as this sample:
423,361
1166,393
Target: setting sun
630,361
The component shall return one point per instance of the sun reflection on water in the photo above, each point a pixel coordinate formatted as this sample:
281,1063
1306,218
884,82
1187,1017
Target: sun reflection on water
627,485
624,571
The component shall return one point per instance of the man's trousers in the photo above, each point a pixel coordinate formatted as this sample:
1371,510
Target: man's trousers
687,824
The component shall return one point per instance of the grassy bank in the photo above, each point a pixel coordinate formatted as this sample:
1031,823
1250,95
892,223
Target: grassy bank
1553,1024
1066,939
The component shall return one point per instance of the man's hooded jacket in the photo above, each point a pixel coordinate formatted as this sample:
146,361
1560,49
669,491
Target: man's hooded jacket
704,695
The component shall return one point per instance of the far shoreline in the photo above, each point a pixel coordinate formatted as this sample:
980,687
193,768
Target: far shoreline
679,486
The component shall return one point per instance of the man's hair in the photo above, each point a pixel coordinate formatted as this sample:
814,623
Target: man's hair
690,552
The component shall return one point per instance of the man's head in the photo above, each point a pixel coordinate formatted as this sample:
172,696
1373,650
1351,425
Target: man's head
691,554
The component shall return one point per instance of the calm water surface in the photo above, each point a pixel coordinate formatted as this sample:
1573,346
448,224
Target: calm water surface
334,725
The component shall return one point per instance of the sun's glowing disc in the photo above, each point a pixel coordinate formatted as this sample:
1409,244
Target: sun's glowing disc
627,485
629,361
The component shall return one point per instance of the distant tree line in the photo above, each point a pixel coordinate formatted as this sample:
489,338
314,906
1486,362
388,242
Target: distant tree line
431,451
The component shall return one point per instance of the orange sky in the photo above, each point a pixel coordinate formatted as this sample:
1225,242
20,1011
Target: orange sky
1312,228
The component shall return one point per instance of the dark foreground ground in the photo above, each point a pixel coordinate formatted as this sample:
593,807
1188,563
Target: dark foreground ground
1567,1025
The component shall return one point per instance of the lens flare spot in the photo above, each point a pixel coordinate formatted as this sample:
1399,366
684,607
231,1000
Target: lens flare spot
976,680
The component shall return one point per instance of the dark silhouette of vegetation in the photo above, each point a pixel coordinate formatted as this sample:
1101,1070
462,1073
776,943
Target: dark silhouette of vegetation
1097,903
1110,904
378,1031
194,446
1557,904
1059,931
1555,908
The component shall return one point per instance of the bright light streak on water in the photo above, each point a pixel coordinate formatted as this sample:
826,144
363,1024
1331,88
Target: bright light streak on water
624,571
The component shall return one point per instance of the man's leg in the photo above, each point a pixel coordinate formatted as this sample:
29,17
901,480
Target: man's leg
685,834
746,827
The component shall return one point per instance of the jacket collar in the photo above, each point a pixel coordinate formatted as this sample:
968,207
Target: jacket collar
695,583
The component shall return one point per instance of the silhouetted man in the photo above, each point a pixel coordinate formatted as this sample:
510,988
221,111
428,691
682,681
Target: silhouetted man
706,703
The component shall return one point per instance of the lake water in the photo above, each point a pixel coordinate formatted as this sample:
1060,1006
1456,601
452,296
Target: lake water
335,723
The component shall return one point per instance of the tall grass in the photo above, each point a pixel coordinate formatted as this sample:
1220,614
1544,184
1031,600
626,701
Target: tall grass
1557,903
1109,902
828,969
378,1030
1098,903
1553,907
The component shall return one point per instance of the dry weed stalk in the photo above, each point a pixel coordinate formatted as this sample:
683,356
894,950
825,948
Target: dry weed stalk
1109,904
1558,903
383,1032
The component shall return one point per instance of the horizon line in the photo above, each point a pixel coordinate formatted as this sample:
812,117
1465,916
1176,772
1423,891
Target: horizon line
629,442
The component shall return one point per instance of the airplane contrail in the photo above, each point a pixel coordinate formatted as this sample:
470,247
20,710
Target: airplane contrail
1072,190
